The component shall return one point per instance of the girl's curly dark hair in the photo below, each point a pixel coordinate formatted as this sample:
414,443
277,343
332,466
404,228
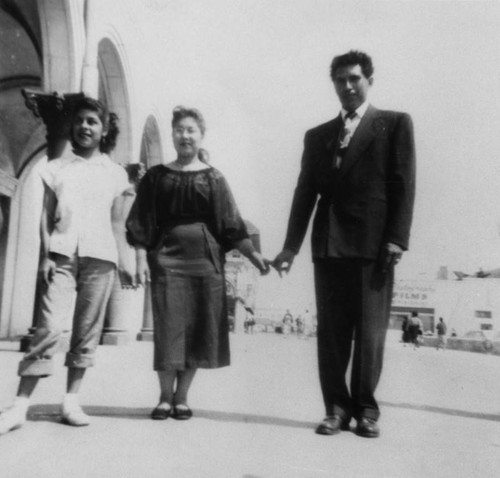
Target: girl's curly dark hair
109,122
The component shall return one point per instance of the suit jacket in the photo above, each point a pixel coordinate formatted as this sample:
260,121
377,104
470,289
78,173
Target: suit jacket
369,200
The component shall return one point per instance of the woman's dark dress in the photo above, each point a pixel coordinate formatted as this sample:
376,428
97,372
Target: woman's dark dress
187,220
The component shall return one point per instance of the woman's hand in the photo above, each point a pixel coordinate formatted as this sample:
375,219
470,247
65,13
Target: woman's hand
263,264
142,274
48,269
283,261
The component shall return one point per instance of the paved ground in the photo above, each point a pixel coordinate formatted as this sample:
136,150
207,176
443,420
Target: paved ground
255,419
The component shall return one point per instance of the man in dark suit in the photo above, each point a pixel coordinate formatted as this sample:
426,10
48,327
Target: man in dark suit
361,166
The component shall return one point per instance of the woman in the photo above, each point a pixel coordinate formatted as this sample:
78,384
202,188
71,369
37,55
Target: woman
83,240
183,221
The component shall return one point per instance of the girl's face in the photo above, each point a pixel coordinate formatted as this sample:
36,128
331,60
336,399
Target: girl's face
187,137
87,131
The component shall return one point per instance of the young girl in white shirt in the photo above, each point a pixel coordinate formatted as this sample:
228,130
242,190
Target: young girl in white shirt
82,234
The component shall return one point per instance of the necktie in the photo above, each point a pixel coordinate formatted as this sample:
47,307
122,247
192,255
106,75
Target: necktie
344,138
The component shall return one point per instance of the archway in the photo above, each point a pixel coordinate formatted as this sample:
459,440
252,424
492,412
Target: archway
114,93
151,147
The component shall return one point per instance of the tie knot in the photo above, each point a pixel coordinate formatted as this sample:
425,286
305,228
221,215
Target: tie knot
350,115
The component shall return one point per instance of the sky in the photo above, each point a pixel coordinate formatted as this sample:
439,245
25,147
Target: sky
258,70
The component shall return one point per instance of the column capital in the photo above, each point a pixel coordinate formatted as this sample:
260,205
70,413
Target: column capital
55,110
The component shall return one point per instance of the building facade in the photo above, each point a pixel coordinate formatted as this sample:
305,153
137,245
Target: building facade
57,48
468,305
49,51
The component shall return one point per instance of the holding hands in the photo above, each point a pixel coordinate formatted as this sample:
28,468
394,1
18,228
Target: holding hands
283,261
263,264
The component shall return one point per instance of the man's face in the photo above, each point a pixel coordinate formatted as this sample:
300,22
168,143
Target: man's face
351,86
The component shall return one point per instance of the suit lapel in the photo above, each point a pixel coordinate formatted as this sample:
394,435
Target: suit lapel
362,137
332,134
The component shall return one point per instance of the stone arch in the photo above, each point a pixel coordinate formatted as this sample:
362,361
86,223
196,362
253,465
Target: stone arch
151,146
114,93
62,28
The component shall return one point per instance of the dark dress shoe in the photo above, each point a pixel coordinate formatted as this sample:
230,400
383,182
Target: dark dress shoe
161,413
367,428
332,425
182,413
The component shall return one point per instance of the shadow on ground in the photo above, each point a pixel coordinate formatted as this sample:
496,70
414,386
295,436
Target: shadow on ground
50,412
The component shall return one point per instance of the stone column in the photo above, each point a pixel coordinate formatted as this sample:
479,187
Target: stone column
125,307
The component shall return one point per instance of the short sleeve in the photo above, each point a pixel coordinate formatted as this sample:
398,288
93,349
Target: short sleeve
121,181
48,173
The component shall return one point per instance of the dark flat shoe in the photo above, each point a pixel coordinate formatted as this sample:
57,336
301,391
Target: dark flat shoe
182,413
332,425
161,413
367,428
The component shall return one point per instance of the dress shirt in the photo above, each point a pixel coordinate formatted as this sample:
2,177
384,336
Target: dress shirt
85,191
351,122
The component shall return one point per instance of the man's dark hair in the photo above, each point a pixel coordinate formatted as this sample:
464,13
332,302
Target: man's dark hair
351,58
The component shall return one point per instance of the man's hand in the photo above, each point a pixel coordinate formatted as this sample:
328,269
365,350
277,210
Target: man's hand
390,256
283,261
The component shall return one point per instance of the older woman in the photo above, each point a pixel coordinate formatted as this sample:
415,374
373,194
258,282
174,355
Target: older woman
183,221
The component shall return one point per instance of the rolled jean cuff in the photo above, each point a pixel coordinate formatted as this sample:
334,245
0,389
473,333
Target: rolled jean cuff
79,360
36,368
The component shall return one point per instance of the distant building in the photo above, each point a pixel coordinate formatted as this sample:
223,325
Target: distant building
467,304
241,282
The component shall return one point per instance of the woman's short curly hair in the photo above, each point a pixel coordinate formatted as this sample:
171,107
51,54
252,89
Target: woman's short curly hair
109,121
181,112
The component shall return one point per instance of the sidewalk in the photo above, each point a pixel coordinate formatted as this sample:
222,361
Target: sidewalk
256,419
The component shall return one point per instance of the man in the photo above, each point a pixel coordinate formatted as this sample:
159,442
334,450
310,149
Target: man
415,329
361,166
441,331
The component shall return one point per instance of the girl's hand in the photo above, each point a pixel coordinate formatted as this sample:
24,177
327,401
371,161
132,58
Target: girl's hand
127,276
48,269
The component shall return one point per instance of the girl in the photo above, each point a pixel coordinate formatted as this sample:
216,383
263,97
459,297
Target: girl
82,234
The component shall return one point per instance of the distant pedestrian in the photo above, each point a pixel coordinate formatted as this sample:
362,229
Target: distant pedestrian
249,324
83,240
405,327
415,329
441,331
287,322
299,325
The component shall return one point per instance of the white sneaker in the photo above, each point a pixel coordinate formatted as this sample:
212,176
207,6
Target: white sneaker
12,418
74,415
